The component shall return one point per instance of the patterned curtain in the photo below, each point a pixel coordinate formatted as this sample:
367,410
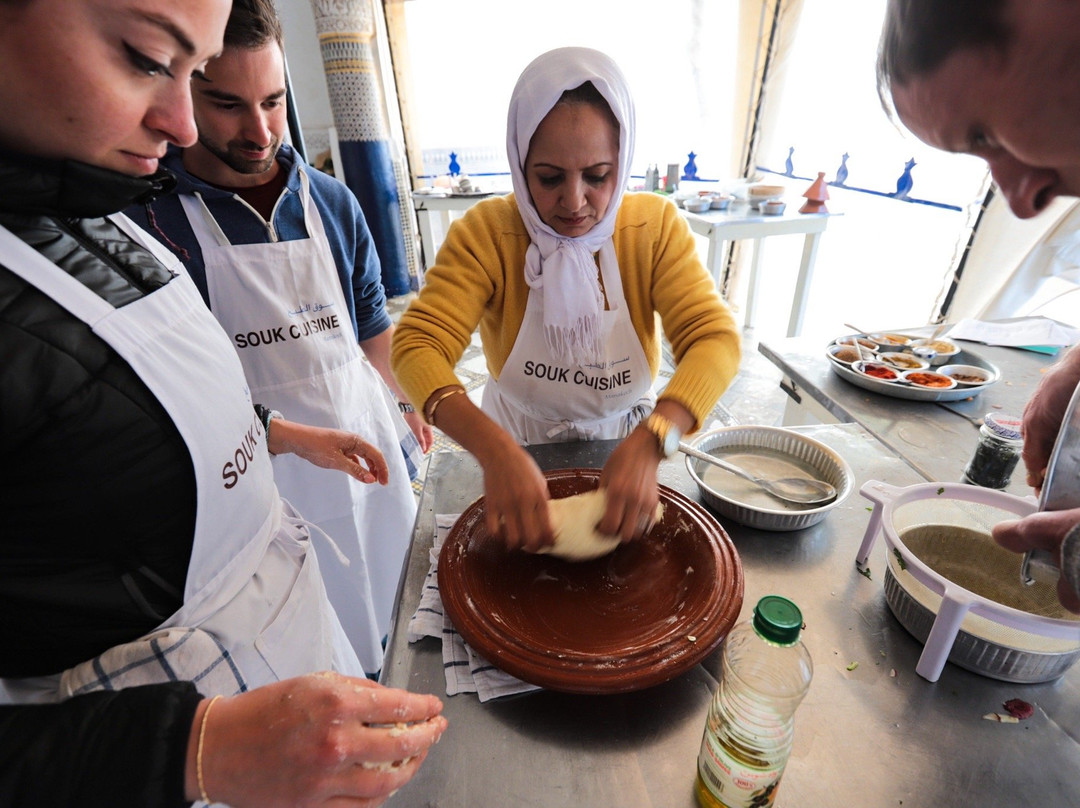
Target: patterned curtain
346,30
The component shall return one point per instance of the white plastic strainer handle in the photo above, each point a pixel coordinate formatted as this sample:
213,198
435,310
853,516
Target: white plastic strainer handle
951,613
879,493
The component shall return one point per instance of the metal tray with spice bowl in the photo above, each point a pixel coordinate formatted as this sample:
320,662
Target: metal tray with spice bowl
854,373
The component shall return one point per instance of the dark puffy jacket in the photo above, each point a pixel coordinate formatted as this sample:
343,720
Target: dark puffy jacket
97,493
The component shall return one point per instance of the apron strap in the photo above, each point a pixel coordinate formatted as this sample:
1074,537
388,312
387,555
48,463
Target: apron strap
203,223
149,243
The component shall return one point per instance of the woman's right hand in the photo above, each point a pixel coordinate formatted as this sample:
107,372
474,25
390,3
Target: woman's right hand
515,490
318,739
516,499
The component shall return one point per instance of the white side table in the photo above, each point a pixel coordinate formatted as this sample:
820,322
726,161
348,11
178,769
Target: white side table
743,223
432,208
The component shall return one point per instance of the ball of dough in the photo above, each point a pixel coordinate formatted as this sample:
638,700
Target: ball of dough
574,520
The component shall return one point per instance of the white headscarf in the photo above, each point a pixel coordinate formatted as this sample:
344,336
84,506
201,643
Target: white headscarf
563,267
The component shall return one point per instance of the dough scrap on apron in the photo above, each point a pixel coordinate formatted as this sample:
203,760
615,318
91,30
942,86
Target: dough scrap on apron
574,520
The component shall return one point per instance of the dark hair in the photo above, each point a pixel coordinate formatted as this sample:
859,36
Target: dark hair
918,35
253,24
588,94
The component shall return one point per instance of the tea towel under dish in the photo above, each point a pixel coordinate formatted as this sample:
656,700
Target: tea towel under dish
466,671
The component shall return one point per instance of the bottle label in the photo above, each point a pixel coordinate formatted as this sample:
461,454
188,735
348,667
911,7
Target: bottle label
731,781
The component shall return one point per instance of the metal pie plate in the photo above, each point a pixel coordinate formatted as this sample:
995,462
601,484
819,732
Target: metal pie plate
637,617
767,513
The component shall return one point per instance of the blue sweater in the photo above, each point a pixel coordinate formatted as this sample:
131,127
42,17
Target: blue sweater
350,240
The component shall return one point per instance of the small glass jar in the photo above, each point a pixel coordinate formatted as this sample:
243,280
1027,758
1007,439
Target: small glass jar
998,452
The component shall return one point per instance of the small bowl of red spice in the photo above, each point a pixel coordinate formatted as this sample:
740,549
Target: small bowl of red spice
929,380
877,370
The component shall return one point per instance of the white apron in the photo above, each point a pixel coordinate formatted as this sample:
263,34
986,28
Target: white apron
282,305
252,585
541,399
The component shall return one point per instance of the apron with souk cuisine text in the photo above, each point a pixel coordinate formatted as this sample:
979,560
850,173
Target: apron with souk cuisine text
540,398
282,305
252,583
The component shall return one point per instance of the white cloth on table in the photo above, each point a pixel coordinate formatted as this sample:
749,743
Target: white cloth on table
466,671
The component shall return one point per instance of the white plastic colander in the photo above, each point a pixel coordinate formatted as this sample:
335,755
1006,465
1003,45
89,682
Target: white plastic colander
953,588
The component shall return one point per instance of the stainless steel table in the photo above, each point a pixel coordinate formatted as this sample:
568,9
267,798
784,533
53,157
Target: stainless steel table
935,438
863,737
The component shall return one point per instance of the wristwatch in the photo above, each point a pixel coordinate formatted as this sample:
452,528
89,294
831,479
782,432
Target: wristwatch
667,433
405,407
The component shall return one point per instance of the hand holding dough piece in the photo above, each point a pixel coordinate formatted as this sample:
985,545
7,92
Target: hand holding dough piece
574,520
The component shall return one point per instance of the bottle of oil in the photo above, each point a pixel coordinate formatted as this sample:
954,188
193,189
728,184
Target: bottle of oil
766,672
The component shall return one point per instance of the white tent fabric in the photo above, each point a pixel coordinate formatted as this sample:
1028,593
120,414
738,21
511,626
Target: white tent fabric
1047,281
757,19
1017,266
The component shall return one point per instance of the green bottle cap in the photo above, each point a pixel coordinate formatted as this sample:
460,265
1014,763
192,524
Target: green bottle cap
778,620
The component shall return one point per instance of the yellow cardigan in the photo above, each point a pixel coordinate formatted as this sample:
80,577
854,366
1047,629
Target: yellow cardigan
479,279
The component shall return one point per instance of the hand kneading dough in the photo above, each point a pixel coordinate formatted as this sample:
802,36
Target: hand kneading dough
574,520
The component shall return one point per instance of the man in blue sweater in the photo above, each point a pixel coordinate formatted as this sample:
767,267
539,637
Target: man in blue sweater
284,259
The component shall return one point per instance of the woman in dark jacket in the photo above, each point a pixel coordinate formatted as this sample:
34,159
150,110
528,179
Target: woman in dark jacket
116,483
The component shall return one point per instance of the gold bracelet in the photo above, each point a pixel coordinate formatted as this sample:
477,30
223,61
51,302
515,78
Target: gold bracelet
439,400
198,754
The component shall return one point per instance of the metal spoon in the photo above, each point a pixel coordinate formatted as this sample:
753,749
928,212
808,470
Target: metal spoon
803,490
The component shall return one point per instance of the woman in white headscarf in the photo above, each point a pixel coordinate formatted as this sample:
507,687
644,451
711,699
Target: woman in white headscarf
565,277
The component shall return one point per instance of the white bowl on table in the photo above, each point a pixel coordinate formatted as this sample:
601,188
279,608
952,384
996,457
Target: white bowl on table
969,375
944,349
874,369
697,204
756,194
928,380
891,342
868,345
903,360
844,354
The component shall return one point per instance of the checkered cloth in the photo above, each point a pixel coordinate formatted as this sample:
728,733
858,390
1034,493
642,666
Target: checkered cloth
156,658
466,671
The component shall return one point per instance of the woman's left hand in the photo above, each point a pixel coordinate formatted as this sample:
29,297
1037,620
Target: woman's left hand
629,480
333,449
629,476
